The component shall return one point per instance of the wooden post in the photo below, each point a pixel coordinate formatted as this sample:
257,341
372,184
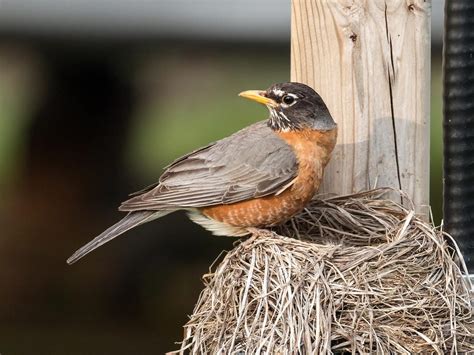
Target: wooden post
370,61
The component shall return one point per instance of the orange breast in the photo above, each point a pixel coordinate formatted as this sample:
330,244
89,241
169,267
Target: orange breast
313,150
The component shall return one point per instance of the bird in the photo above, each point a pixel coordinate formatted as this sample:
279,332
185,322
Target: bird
256,178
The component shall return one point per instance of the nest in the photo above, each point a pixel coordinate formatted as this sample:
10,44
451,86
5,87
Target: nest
358,274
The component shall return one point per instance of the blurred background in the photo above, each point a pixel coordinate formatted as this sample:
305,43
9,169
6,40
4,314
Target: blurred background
96,97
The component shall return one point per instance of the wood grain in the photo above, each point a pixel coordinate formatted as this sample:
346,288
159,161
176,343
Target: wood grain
370,61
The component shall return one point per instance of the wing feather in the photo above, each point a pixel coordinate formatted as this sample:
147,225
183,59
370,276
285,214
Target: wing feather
253,162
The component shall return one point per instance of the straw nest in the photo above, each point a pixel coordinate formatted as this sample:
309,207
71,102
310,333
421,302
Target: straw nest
357,274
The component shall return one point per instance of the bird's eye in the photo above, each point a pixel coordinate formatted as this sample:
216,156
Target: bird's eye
287,99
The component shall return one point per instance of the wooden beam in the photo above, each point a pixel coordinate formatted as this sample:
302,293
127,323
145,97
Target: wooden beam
370,61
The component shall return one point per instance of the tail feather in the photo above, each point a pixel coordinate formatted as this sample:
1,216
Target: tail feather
130,221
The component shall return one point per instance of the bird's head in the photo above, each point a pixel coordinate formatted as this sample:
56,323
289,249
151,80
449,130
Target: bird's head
293,106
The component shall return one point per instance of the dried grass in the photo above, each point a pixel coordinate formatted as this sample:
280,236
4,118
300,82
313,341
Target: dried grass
357,274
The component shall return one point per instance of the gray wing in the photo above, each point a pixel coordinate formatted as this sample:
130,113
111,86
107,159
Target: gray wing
253,162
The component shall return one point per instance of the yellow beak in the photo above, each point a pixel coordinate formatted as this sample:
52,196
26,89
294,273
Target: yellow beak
258,96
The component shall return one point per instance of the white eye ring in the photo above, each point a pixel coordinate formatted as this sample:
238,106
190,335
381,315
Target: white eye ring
289,99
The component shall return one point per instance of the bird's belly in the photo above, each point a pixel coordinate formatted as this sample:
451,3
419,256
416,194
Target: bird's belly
313,150
270,210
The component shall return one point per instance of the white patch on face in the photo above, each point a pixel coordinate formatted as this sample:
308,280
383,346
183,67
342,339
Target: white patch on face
278,92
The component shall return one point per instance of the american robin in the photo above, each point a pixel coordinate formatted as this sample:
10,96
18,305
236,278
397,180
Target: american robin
258,177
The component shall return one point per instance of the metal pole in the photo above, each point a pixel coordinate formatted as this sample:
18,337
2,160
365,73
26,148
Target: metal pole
458,69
